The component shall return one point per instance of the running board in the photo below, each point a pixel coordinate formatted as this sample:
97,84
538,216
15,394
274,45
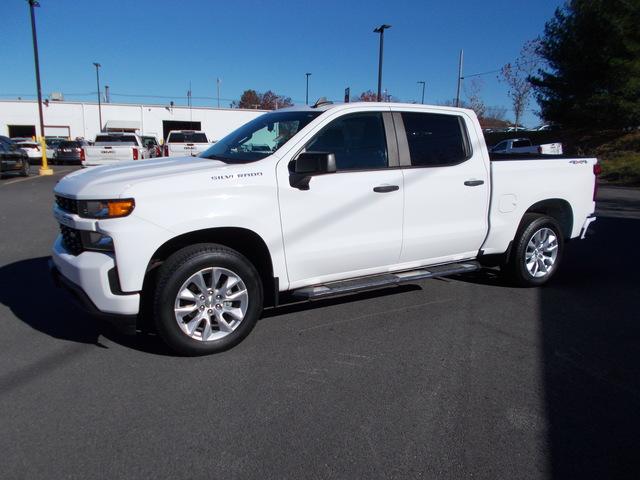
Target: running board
384,280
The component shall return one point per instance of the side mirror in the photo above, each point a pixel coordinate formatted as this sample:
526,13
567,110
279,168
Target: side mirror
310,164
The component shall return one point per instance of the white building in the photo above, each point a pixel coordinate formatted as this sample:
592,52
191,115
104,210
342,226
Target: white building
19,118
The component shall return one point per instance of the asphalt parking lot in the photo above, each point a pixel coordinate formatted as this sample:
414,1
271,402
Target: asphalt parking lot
455,378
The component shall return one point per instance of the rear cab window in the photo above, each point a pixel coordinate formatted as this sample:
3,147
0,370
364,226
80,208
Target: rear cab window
436,139
521,143
124,139
187,137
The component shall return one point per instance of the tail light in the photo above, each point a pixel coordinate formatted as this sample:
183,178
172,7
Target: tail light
82,155
597,170
135,153
166,150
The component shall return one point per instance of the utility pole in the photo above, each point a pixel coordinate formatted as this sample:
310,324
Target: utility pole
218,88
422,82
189,103
460,77
44,169
97,65
306,101
380,30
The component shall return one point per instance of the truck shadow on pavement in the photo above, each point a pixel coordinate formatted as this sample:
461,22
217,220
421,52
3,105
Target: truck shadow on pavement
589,328
53,311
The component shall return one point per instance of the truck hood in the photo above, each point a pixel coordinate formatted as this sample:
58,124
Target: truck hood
110,181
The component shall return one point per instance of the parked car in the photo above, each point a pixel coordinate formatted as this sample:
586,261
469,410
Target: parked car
13,158
346,198
151,144
113,147
31,147
184,143
52,143
70,151
524,145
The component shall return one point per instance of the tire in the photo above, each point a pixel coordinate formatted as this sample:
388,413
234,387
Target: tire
536,251
26,169
193,314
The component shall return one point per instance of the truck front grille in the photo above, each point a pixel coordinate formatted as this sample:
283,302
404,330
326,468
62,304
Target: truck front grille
71,240
67,204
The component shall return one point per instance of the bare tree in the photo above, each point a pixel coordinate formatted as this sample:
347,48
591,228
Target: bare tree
516,75
476,104
368,96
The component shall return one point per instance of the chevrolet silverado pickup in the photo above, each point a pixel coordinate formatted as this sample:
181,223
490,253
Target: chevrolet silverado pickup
111,148
181,143
314,201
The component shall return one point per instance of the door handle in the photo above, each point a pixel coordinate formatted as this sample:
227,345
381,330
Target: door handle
386,188
473,183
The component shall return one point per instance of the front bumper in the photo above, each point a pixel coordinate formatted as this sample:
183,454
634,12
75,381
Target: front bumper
89,272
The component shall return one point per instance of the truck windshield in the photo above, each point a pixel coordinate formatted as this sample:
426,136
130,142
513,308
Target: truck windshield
260,137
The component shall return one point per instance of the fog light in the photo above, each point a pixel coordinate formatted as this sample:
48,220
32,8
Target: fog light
97,241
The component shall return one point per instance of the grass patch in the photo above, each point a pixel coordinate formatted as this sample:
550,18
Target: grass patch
621,167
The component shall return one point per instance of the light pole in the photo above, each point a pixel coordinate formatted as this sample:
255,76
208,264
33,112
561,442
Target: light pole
460,78
97,65
422,82
380,30
44,169
306,101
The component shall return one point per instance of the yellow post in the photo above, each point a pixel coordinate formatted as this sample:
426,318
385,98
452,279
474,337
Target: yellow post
44,169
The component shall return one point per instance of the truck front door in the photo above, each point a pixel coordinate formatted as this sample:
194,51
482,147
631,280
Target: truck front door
348,223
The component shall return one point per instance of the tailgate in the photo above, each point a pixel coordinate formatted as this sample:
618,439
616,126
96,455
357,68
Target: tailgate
107,154
186,149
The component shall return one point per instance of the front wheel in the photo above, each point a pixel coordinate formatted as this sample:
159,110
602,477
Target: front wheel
209,297
26,168
536,251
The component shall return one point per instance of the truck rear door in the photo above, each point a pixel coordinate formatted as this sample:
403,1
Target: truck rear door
446,186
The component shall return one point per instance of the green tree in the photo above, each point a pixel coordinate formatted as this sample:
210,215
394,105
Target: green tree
592,48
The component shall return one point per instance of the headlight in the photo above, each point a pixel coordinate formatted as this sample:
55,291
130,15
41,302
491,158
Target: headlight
106,208
96,241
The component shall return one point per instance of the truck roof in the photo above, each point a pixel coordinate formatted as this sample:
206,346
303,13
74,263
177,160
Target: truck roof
342,106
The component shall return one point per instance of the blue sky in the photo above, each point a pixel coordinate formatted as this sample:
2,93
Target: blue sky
156,47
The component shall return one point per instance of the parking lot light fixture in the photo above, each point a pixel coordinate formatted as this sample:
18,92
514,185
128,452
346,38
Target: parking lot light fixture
97,65
44,169
380,30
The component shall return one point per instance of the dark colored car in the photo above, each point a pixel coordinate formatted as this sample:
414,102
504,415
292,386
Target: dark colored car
70,151
12,158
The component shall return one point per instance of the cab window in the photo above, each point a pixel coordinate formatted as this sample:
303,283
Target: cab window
357,140
435,139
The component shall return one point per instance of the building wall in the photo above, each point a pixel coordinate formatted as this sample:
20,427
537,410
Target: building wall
82,118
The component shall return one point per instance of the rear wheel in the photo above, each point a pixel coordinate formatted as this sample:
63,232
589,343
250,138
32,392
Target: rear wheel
208,298
536,251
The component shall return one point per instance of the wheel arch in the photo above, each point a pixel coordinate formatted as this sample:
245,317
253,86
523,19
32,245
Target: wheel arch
558,209
246,242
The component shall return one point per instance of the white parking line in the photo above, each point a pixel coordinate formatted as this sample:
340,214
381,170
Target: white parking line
32,177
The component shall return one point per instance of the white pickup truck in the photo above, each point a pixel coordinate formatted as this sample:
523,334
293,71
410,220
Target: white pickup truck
524,145
113,147
342,198
182,143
